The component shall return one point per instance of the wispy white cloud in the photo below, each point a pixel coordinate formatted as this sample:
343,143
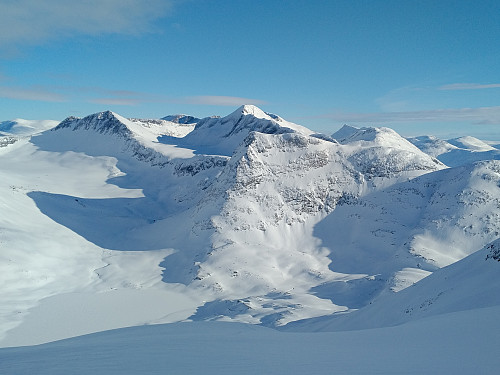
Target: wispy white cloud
35,21
115,101
400,99
469,86
124,97
105,96
115,97
221,100
31,93
482,115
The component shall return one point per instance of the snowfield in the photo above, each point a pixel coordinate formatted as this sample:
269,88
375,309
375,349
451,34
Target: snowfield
454,343
385,247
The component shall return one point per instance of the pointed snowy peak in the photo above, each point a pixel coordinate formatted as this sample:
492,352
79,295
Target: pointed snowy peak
275,124
262,121
249,109
106,122
222,135
344,132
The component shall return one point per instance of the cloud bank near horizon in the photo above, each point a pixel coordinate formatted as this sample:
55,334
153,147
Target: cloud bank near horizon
479,116
31,93
103,96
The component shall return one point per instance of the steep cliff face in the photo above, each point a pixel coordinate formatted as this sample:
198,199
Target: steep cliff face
259,215
264,205
253,188
263,220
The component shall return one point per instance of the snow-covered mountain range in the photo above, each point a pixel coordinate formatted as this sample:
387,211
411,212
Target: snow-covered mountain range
247,218
21,127
457,151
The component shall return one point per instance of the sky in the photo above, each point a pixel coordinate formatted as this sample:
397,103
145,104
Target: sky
417,66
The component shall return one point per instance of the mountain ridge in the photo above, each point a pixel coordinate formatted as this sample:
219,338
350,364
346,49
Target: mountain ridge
258,219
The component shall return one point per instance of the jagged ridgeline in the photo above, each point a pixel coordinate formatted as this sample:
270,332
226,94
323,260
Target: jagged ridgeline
265,220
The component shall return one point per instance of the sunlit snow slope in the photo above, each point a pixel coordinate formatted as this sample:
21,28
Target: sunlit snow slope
246,217
457,151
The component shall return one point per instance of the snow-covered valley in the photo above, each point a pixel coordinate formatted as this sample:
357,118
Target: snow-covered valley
108,222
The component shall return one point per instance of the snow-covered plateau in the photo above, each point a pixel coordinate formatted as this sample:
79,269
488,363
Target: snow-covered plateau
360,251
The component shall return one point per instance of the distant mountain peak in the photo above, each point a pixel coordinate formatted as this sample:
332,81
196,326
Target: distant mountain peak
215,135
249,109
181,119
470,143
349,134
344,132
102,122
374,136
456,151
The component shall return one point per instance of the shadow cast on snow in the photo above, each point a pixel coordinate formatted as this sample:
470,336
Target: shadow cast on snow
108,223
151,222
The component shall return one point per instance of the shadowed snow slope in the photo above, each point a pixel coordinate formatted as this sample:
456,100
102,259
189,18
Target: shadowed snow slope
401,234
214,135
254,218
471,283
21,127
471,143
258,217
344,132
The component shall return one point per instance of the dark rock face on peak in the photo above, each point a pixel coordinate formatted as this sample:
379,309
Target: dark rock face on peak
102,122
222,135
181,119
344,132
271,221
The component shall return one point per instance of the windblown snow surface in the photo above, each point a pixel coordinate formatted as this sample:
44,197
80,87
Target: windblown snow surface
360,252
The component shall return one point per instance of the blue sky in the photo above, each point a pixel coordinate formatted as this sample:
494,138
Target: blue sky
419,67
